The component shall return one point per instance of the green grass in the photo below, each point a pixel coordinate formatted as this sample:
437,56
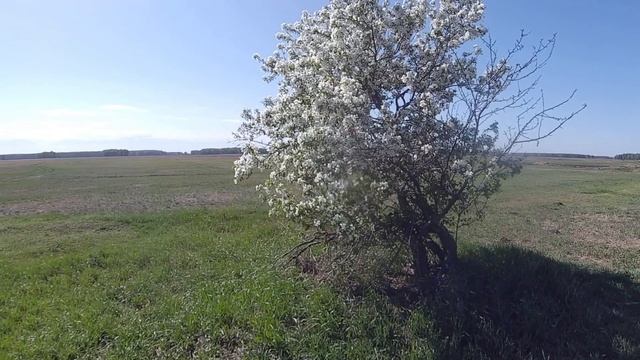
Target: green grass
128,269
118,185
570,213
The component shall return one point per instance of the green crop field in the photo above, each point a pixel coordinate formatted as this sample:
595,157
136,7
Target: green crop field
164,257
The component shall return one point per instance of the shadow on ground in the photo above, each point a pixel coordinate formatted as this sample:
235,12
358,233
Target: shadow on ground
509,303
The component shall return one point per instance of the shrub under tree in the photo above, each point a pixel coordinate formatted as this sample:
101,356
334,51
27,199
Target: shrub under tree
385,128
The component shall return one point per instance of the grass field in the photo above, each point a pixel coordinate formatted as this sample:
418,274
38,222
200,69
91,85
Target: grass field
164,257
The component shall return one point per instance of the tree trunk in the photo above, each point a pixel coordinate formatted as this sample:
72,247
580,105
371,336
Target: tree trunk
416,243
449,245
420,261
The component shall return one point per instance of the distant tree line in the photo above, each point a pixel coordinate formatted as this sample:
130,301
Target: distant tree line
120,152
562,155
217,151
47,155
115,152
627,156
222,151
238,151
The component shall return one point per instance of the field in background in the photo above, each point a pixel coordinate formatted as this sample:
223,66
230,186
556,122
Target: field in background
580,210
121,185
165,257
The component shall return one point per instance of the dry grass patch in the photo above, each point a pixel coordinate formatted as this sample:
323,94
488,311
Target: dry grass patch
120,203
612,230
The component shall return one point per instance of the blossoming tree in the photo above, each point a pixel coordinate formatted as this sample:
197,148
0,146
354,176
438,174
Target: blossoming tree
385,127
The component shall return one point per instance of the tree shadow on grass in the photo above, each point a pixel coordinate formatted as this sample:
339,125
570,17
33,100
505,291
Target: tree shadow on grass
510,303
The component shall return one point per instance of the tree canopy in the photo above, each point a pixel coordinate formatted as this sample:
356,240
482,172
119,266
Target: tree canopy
385,130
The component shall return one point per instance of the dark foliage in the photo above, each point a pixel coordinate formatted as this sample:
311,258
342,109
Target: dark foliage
628,156
220,151
115,152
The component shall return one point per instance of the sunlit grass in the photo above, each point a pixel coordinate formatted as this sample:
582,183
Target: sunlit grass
552,271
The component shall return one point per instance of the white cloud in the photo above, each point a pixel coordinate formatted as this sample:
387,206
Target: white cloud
56,128
69,129
121,107
67,113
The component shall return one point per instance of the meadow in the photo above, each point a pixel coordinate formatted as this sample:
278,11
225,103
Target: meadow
164,257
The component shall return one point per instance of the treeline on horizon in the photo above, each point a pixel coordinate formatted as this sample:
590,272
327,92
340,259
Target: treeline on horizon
117,152
627,156
238,151
563,155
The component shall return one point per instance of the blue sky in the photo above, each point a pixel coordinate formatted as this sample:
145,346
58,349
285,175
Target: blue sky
175,75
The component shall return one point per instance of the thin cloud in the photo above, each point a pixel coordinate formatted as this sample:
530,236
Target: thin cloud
67,113
232,121
55,127
121,107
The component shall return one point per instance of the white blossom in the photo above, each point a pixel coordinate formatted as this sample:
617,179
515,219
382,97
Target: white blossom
366,115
